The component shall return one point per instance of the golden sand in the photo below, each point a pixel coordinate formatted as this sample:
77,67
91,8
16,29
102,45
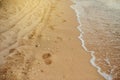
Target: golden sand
39,41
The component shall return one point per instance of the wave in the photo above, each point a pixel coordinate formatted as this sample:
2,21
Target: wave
106,76
101,22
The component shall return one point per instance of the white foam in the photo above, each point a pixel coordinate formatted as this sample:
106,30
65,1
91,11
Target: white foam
92,61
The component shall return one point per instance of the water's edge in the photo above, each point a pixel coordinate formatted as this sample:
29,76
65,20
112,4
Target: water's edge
92,61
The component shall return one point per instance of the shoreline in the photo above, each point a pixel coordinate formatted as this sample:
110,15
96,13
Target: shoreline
53,53
92,60
98,34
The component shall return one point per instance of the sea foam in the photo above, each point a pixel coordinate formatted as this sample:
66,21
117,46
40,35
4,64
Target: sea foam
93,59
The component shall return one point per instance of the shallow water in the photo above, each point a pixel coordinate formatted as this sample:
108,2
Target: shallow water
100,32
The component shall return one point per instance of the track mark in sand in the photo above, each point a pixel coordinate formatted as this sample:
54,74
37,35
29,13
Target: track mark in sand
59,38
47,58
19,31
17,17
52,27
11,50
42,71
18,65
64,21
29,18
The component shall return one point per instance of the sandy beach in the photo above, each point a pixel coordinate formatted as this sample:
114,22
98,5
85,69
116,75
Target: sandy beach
39,41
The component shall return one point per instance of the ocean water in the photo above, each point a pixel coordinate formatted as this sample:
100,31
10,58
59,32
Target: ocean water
100,34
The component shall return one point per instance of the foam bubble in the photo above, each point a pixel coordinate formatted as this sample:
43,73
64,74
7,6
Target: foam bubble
93,59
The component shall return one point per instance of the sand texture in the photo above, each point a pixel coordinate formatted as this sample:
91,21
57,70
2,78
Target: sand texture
39,41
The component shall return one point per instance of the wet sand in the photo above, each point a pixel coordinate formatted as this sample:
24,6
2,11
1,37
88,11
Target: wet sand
101,26
39,41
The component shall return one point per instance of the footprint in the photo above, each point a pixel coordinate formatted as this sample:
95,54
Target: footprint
47,58
48,61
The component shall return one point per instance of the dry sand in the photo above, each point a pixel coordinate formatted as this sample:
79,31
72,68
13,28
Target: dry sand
39,41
